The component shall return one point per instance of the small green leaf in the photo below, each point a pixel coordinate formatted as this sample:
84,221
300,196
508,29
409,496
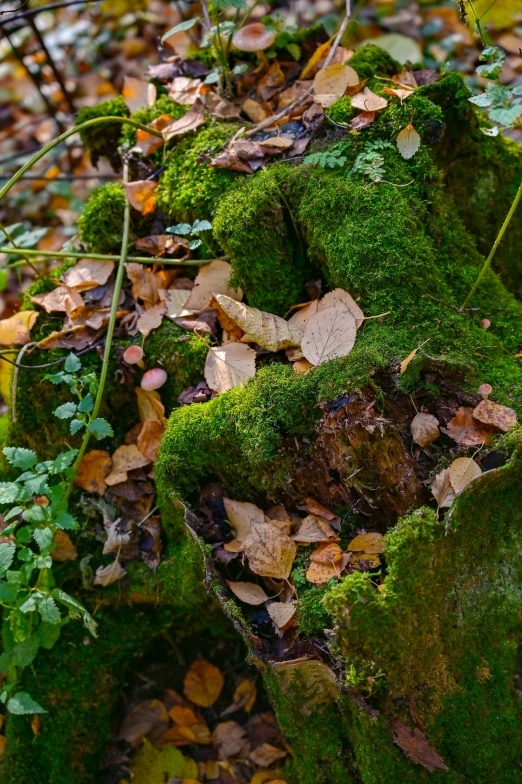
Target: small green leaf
66,411
294,50
49,611
63,461
43,537
19,457
44,562
234,3
35,514
24,534
100,428
186,25
7,553
481,100
28,606
8,492
180,228
11,513
193,244
72,364
36,486
66,522
22,704
56,378
76,425
505,116
86,405
201,225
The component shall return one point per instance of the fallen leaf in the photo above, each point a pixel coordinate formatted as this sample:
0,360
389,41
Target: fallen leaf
265,329
329,334
64,549
229,366
442,490
495,414
281,613
415,745
93,470
313,529
331,83
126,458
221,108
184,90
150,764
147,143
115,538
242,515
424,429
36,724
203,683
147,716
141,195
150,406
250,593
323,567
266,754
60,299
302,316
328,553
88,274
321,53
212,278
461,472
301,366
266,777
229,738
314,507
367,543
368,101
149,439
363,562
468,431
151,319
15,331
269,551
340,296
189,122
399,92
307,682
190,728
137,93
244,697
254,111
175,300
105,575
280,142
408,142
145,283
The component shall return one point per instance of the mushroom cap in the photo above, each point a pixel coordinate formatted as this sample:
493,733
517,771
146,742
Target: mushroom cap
133,354
153,379
485,390
253,37
485,323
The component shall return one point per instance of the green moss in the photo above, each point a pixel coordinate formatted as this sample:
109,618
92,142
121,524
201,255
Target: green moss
182,355
313,617
164,105
190,189
102,140
370,60
100,225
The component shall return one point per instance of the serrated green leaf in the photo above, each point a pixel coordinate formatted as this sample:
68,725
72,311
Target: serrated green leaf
49,611
19,457
11,513
66,522
43,537
505,116
481,100
28,606
7,554
22,704
201,225
35,514
8,492
23,653
44,562
56,378
63,461
86,405
186,25
72,364
100,428
180,228
36,486
8,593
66,411
193,244
24,534
75,426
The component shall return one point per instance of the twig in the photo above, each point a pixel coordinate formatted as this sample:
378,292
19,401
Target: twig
65,254
288,109
50,7
14,384
489,259
57,75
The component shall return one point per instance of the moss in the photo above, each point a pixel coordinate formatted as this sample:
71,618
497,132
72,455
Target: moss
313,618
256,228
182,355
100,225
164,105
370,60
102,140
190,189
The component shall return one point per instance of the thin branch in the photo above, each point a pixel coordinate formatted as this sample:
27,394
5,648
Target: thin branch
40,9
65,254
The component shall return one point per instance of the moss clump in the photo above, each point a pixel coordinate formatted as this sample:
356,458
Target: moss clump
181,354
100,225
256,229
313,617
102,140
370,60
164,105
190,189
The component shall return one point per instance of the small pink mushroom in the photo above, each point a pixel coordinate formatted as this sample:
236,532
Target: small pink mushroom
133,355
485,390
153,379
253,37
485,323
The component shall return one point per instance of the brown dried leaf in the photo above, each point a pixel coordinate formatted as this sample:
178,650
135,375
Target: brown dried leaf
126,458
367,543
313,529
141,195
147,716
88,274
149,439
266,754
212,278
495,414
362,121
93,470
329,334
151,319
425,429
244,698
270,552
189,122
150,406
147,143
203,683
229,366
281,613
408,142
64,549
321,53
242,516
415,745
461,472
254,111
399,92
265,329
105,575
331,83
314,507
301,366
250,593
327,554
220,107
368,101
229,738
61,299
175,300
442,490
15,331
468,431
320,573
184,90
279,142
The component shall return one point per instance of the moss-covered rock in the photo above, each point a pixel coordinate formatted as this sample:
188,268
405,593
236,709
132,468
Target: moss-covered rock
100,225
102,140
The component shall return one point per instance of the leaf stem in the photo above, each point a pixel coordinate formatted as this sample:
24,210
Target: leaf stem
96,256
489,259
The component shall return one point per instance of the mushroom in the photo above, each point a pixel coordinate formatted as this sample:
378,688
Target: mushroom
255,37
485,390
133,355
153,379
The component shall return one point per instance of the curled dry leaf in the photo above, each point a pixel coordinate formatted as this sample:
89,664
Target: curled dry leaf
329,334
61,300
229,366
301,366
368,543
189,122
126,458
269,331
151,319
229,738
105,575
362,121
212,278
146,717
415,745
425,429
242,516
302,316
329,553
137,93
203,683
15,331
468,431
266,754
313,529
150,405
147,143
184,90
244,698
408,142
281,613
93,471
495,414
442,490
250,593
115,538
270,552
149,439
368,101
314,507
399,92
461,472
189,728
145,283
141,195
175,301
340,296
88,274
331,83
64,549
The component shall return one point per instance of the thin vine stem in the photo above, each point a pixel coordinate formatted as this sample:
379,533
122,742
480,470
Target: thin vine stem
98,257
478,25
489,259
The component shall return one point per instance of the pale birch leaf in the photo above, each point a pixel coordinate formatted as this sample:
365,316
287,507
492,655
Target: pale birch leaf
212,277
242,515
229,366
270,552
461,472
442,490
338,296
408,142
368,101
250,593
265,329
329,334
281,612
425,429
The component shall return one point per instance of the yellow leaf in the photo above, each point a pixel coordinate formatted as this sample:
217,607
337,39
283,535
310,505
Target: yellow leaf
408,142
329,334
331,83
141,195
229,366
313,529
368,101
150,406
93,471
250,593
320,54
269,331
245,694
281,613
88,274
363,562
212,277
442,490
265,777
367,543
461,472
494,414
203,683
270,552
